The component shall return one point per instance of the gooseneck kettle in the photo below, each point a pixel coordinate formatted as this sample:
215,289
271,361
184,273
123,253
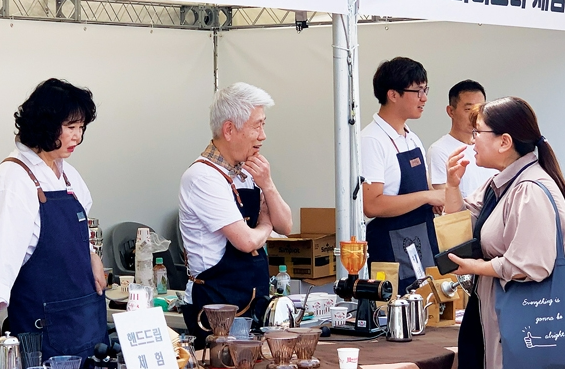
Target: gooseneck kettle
10,357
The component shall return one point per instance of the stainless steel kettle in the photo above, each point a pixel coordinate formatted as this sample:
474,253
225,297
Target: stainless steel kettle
10,357
399,325
280,312
418,312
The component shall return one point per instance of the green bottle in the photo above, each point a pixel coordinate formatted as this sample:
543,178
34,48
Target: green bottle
160,276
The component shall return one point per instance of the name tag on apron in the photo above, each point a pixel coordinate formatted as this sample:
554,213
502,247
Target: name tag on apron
415,162
81,217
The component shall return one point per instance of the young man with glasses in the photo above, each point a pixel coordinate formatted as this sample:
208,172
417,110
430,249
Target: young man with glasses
396,193
462,97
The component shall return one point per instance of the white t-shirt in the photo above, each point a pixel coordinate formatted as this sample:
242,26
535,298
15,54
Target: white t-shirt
206,205
378,154
438,154
20,222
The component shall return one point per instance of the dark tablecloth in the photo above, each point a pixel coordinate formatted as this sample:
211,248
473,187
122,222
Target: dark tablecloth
426,351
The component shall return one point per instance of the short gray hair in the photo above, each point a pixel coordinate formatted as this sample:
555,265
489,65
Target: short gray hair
235,103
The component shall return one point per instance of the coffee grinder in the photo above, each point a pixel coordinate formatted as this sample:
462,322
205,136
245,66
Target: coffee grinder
366,291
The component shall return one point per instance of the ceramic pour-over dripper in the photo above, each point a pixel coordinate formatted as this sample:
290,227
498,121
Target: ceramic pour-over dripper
244,353
220,317
305,347
281,345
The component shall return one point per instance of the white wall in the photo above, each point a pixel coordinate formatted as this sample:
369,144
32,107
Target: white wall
153,91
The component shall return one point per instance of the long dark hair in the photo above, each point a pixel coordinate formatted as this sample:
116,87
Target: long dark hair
40,118
516,117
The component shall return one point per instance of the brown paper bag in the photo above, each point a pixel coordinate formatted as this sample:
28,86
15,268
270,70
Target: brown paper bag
386,271
453,229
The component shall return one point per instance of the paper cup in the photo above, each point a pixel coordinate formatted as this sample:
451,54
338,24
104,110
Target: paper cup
339,315
125,280
348,358
315,305
108,275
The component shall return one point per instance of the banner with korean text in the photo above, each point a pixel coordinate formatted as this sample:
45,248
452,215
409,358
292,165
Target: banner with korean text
545,14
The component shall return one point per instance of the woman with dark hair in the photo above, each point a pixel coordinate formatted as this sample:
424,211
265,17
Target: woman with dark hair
50,279
513,217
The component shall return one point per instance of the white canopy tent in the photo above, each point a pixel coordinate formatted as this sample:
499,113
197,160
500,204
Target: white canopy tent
349,215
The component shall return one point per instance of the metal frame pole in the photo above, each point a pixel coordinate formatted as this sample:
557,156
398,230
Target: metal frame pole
349,212
5,8
342,159
215,46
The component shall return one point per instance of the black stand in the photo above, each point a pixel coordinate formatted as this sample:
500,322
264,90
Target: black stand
364,322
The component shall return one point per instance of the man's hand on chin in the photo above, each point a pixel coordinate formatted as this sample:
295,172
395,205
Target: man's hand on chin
258,166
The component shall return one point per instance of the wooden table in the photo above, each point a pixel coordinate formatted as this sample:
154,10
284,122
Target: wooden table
435,350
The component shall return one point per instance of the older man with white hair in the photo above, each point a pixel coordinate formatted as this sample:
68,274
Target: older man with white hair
229,205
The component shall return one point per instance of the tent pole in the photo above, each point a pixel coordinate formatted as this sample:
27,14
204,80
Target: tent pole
215,46
357,218
342,160
349,212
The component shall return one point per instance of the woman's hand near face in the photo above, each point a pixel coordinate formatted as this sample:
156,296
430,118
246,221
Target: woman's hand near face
456,167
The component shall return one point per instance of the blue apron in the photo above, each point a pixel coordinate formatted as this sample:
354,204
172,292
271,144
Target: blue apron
232,280
389,237
54,292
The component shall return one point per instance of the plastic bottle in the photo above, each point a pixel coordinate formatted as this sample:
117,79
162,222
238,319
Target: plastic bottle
283,281
160,276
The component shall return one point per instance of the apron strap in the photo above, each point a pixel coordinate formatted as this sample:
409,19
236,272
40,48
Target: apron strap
228,178
69,187
40,193
240,203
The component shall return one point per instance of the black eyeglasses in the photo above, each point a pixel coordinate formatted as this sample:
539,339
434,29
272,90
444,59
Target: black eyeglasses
420,92
476,131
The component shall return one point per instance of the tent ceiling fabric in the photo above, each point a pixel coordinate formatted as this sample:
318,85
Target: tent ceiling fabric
545,14
330,6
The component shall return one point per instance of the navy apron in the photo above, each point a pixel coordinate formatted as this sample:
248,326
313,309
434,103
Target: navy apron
54,292
389,237
232,280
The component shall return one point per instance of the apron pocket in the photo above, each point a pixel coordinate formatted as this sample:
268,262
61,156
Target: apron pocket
400,239
75,325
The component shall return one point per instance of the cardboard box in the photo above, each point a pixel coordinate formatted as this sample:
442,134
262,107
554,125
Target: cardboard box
310,253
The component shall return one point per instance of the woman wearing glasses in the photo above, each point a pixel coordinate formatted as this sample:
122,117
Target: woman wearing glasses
513,216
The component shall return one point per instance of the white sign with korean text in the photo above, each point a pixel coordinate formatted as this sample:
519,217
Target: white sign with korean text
145,339
545,14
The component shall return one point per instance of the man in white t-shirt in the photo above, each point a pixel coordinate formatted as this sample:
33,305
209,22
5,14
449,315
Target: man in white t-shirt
462,97
396,192
229,206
